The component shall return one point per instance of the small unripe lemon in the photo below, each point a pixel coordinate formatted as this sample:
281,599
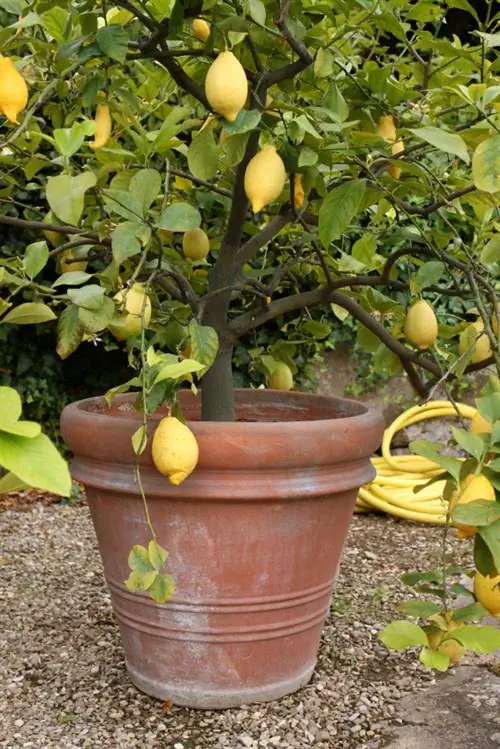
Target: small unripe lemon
200,29
471,489
103,125
69,264
195,244
226,86
134,302
487,592
281,377
474,336
421,326
265,178
480,425
175,450
13,90
452,648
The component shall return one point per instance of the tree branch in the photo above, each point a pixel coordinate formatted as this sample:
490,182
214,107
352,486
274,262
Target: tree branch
23,223
297,46
201,182
148,22
254,244
181,77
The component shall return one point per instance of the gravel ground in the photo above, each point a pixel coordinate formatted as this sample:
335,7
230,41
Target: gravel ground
63,679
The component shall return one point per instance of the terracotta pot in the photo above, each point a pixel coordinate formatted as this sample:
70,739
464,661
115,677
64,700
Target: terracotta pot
255,537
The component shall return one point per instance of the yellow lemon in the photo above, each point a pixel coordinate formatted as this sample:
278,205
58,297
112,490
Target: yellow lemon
387,128
195,244
474,336
103,126
471,488
226,86
494,320
421,326
54,237
175,450
200,29
398,147
480,425
487,592
13,90
131,302
281,377
265,178
69,263
298,192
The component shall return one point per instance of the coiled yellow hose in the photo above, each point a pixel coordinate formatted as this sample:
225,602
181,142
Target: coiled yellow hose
392,491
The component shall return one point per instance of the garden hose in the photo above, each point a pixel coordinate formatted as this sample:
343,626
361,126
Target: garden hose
393,489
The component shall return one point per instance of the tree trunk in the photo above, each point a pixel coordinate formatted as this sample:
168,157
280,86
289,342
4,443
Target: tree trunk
217,397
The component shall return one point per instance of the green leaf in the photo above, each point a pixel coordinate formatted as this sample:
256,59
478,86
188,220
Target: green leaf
163,588
69,140
172,125
338,209
444,141
428,275
113,42
402,634
15,7
204,343
179,217
145,185
89,297
27,429
473,611
10,405
66,195
157,555
418,608
490,534
140,582
69,332
364,249
434,660
307,157
124,204
35,461
483,559
491,251
95,320
139,440
179,370
471,443
257,11
247,120
54,21
477,638
123,388
323,64
480,512
28,313
431,451
486,165
72,278
124,242
489,406
11,483
202,154
35,258
138,559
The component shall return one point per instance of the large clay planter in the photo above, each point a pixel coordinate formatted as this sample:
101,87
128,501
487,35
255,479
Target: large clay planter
255,537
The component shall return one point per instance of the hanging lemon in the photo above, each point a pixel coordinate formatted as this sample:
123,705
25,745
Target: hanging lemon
13,90
103,125
226,86
421,326
265,178
175,450
195,244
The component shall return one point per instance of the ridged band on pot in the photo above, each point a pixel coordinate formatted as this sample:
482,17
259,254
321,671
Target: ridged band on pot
255,537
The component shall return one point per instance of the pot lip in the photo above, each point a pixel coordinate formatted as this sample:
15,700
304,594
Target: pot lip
368,417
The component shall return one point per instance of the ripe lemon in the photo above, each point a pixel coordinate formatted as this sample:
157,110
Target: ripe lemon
387,128
487,592
175,450
471,488
452,648
226,86
103,125
195,244
481,343
281,377
480,425
298,192
265,178
494,320
421,327
200,29
398,147
69,264
133,302
13,90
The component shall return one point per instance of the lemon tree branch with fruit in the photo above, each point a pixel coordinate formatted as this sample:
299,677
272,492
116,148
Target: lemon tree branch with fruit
178,174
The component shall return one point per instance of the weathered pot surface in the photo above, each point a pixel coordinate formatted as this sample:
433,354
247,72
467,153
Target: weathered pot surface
255,537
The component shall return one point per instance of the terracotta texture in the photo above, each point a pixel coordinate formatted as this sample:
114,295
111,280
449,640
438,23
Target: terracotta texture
255,537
